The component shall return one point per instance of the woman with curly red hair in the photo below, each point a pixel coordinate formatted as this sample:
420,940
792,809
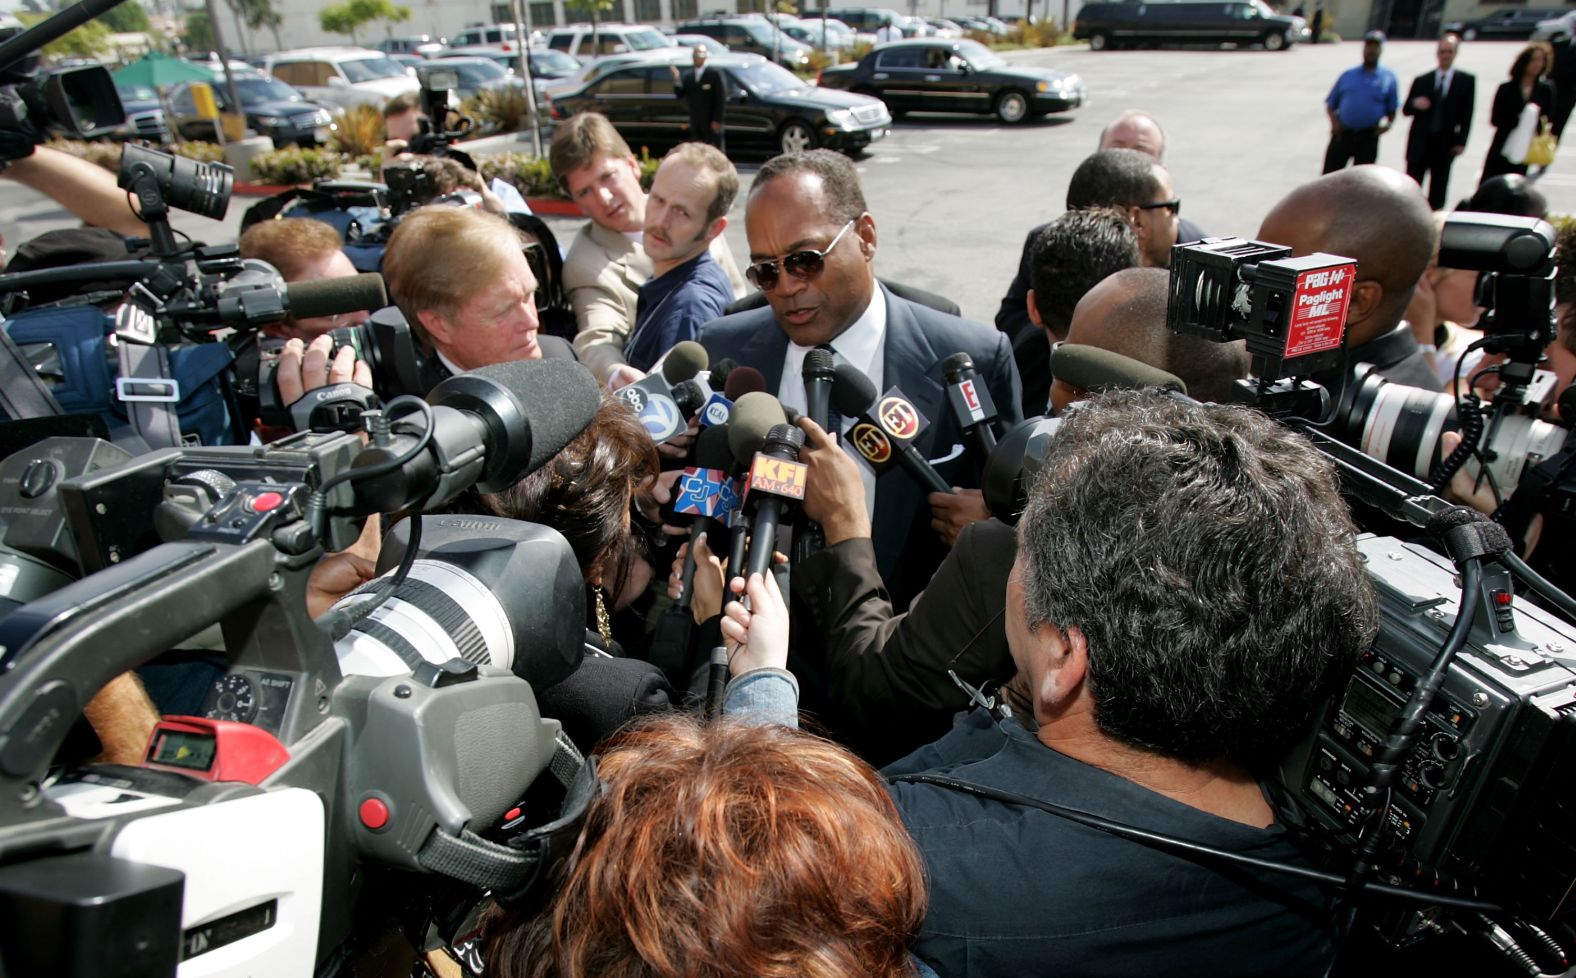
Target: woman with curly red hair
727,850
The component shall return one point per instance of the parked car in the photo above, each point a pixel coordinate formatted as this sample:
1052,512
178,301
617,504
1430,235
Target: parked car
942,27
503,35
832,35
410,62
596,68
753,35
711,44
272,109
1503,25
144,114
868,20
1113,25
421,45
478,75
1556,29
342,77
579,39
769,109
940,75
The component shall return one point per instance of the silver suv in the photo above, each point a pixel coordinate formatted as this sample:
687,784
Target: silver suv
341,77
576,39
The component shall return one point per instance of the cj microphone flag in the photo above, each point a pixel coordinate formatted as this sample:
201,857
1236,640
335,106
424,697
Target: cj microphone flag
896,422
706,492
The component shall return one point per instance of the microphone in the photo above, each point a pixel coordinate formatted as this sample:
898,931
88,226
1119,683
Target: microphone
332,296
705,492
819,372
970,401
885,430
777,480
754,416
491,427
743,380
1092,368
684,361
691,396
717,375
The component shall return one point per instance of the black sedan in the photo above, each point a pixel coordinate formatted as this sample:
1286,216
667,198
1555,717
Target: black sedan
272,108
769,109
942,75
1502,25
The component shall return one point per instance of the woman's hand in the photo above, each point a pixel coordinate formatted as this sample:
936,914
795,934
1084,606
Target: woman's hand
758,639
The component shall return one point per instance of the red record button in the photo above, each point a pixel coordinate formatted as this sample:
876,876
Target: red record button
267,502
374,814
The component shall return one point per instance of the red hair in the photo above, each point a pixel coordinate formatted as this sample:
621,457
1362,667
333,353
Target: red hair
727,851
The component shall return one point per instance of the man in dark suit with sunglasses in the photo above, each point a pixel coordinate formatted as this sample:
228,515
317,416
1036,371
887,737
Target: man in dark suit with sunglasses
812,251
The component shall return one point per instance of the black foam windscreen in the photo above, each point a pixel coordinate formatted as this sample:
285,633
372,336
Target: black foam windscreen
742,380
754,415
717,379
558,398
331,296
684,361
819,362
711,448
954,366
852,391
1094,369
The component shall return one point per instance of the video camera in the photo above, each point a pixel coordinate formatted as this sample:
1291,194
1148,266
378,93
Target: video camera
392,751
79,101
1439,767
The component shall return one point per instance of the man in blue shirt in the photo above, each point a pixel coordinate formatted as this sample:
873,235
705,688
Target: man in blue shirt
1362,105
688,207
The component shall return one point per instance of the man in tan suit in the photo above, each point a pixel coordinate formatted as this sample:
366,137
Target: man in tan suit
606,265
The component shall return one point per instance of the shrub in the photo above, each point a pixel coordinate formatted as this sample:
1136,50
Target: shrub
372,162
199,151
294,165
819,61
105,154
358,130
531,176
1040,34
500,109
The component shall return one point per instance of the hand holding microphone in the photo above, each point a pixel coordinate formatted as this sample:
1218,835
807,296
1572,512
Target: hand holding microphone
835,494
758,635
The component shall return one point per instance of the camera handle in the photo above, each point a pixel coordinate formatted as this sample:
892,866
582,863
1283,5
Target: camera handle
59,651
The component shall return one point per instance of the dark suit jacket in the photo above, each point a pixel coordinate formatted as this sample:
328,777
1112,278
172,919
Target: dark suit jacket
887,688
917,340
1459,102
1506,112
706,97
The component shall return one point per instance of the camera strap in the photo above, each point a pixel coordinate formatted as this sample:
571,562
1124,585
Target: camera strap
149,393
517,872
23,394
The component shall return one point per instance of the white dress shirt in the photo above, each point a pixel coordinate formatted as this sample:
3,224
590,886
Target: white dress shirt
862,345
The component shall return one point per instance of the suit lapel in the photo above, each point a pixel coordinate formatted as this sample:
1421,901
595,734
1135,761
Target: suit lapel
636,267
765,347
907,363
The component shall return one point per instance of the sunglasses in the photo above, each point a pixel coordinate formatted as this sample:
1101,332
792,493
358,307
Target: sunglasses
802,265
1174,205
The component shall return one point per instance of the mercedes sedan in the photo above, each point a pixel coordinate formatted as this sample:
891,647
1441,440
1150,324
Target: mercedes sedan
942,75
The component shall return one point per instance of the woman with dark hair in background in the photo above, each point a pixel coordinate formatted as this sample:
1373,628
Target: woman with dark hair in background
726,850
1526,84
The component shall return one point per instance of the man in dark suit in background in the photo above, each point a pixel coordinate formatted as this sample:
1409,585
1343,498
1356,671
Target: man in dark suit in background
812,248
1440,104
706,93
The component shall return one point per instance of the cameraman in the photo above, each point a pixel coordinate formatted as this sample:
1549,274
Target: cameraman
86,189
303,250
1187,591
461,278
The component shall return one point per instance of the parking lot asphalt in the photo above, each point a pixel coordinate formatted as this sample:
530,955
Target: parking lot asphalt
954,195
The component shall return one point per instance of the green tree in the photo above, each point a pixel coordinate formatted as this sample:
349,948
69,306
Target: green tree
130,17
199,32
91,40
592,8
350,16
259,14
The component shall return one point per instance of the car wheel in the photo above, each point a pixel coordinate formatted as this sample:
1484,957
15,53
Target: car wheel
1012,107
1470,34
796,137
1274,42
1099,41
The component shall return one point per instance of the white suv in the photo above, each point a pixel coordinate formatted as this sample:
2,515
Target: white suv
341,77
576,40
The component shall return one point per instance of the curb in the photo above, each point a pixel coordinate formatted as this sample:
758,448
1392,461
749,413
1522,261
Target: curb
554,207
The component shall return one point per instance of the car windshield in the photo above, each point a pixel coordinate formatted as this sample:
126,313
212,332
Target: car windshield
647,40
137,93
259,88
980,57
477,72
1263,10
766,78
371,69
552,61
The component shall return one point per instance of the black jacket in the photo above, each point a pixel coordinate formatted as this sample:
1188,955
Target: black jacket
1459,101
706,97
918,339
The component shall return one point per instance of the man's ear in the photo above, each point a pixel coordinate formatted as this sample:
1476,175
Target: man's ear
865,227
439,329
717,227
1366,297
1068,650
1034,311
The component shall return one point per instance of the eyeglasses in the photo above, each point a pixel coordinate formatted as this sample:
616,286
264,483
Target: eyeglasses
802,265
1174,205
